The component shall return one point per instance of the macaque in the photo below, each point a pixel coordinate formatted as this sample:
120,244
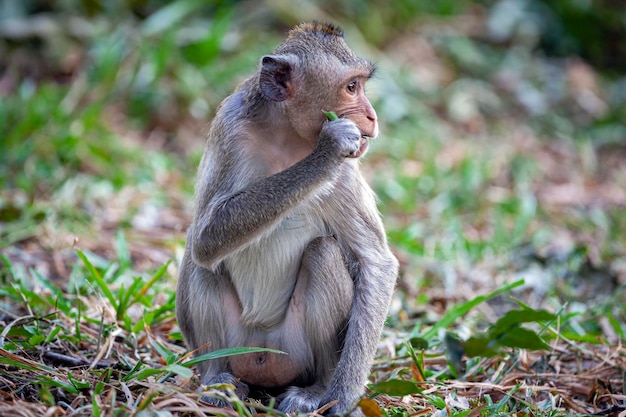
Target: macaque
287,249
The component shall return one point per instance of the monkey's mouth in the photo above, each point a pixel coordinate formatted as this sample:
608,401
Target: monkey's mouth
365,143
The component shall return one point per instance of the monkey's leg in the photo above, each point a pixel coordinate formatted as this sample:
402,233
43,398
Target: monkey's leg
321,303
224,314
208,312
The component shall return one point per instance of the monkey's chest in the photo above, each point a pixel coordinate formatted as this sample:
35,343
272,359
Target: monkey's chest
264,273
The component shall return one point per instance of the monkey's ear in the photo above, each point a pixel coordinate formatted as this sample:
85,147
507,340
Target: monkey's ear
276,77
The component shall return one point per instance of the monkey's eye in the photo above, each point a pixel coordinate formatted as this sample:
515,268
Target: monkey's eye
352,86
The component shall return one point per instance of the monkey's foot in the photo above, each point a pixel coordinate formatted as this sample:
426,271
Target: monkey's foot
304,399
241,389
347,405
334,412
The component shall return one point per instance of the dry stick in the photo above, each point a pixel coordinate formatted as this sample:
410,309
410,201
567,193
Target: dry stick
65,360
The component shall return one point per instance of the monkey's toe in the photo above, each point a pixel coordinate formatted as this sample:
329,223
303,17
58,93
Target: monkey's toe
335,412
241,389
301,399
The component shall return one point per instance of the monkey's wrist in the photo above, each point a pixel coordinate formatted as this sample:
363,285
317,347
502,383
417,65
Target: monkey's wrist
326,154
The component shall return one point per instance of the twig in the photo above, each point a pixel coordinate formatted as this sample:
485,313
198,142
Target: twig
65,360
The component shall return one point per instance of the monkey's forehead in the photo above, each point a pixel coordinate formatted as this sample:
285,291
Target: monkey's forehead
360,67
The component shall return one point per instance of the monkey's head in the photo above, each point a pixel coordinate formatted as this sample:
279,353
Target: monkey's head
314,70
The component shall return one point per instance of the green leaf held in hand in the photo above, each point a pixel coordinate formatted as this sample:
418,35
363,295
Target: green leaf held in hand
331,115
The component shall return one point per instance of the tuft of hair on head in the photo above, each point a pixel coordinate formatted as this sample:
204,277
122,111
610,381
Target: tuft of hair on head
322,27
317,28
314,42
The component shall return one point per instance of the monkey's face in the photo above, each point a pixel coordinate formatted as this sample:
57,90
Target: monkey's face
352,103
312,75
340,89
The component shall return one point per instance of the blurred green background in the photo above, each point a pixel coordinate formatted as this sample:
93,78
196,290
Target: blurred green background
502,153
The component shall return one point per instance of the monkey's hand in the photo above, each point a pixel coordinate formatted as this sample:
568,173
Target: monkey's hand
340,138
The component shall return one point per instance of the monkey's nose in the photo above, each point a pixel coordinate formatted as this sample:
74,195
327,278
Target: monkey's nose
374,132
371,114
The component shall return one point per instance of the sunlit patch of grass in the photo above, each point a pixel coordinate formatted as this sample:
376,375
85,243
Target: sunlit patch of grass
507,369
109,332
63,340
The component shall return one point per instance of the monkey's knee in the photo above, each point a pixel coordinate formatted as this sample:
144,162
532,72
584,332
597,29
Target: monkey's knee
329,285
323,252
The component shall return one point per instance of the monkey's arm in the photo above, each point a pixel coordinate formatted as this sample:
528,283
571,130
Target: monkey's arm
230,221
374,269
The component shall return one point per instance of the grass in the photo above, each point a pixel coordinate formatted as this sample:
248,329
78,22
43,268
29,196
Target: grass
501,189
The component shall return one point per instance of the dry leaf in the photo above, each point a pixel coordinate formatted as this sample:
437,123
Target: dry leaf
370,408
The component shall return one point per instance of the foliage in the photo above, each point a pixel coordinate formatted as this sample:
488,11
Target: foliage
500,173
75,326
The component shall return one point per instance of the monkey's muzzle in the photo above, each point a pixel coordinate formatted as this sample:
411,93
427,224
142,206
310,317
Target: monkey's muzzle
364,144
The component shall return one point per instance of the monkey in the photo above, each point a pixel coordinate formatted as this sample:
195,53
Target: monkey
287,249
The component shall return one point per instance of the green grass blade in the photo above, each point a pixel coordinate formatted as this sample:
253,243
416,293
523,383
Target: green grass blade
396,387
462,309
97,278
122,252
157,275
228,352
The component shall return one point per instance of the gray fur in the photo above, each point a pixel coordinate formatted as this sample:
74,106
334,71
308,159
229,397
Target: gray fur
287,249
